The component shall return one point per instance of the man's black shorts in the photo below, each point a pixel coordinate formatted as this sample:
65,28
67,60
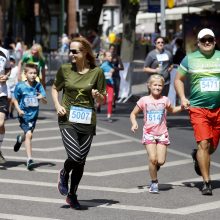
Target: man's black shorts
4,104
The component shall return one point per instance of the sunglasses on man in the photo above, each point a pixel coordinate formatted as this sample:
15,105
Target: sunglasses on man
207,39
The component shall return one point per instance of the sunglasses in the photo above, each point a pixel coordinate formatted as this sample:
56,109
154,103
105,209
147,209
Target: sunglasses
160,42
209,39
74,51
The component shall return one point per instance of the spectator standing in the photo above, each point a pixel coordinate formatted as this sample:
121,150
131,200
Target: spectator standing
118,65
108,70
177,58
96,42
160,61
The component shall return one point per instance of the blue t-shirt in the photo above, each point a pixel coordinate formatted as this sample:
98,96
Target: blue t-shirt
26,96
107,67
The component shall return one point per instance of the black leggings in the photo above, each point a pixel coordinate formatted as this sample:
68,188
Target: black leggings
77,146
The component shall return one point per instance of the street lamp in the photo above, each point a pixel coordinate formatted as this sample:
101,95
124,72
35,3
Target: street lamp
163,18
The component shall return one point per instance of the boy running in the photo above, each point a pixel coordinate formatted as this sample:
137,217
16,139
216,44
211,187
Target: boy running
26,100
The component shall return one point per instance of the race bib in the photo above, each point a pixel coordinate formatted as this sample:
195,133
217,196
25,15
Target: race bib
80,115
162,57
31,101
154,117
209,84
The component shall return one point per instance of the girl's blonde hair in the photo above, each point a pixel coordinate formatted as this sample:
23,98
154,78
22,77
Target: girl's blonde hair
88,48
154,77
39,49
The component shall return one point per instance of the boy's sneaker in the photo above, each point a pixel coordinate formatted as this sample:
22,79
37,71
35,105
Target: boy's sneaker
73,202
2,159
63,183
30,164
195,161
20,139
154,188
207,189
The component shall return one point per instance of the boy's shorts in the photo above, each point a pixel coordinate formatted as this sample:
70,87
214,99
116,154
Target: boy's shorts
27,125
155,139
206,124
4,104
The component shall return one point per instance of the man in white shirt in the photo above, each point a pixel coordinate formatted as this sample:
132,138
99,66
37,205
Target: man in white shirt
4,74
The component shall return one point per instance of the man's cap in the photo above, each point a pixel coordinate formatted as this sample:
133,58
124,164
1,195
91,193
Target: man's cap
12,58
204,32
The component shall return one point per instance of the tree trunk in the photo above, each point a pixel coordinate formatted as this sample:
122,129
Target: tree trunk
129,12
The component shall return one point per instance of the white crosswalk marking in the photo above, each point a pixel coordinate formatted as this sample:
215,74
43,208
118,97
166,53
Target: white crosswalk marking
23,217
102,146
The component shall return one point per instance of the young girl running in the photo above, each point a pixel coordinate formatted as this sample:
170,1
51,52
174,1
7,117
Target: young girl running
155,132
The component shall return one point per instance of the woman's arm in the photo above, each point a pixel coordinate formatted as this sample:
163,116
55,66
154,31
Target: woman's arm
61,111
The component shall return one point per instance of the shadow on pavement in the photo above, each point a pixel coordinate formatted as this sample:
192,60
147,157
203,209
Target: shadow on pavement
86,204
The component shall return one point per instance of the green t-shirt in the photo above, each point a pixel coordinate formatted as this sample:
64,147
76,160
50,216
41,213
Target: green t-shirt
204,75
27,57
77,91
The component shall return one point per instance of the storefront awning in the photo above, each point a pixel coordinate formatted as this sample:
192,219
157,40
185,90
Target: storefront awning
170,14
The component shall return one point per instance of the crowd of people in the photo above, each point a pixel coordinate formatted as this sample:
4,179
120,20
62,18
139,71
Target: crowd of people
86,86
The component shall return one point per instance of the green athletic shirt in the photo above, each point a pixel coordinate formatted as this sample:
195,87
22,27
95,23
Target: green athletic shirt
77,91
27,57
204,75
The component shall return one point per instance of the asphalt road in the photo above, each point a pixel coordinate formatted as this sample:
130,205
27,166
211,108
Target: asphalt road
114,185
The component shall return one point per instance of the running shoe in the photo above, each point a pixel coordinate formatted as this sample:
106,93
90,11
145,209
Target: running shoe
20,139
195,161
109,120
63,183
207,189
154,188
73,202
2,159
30,164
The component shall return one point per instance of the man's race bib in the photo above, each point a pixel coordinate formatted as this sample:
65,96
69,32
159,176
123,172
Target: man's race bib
155,117
31,101
80,115
162,57
209,84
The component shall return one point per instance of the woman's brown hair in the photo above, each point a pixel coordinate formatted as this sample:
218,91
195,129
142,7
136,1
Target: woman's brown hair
86,46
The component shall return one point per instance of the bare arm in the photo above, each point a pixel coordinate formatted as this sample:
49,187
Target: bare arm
179,86
175,109
97,96
42,98
151,70
19,70
61,111
20,112
133,116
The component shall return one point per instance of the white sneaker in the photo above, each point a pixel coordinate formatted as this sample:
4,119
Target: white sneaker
154,188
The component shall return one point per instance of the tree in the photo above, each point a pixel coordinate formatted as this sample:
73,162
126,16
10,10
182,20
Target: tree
129,11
